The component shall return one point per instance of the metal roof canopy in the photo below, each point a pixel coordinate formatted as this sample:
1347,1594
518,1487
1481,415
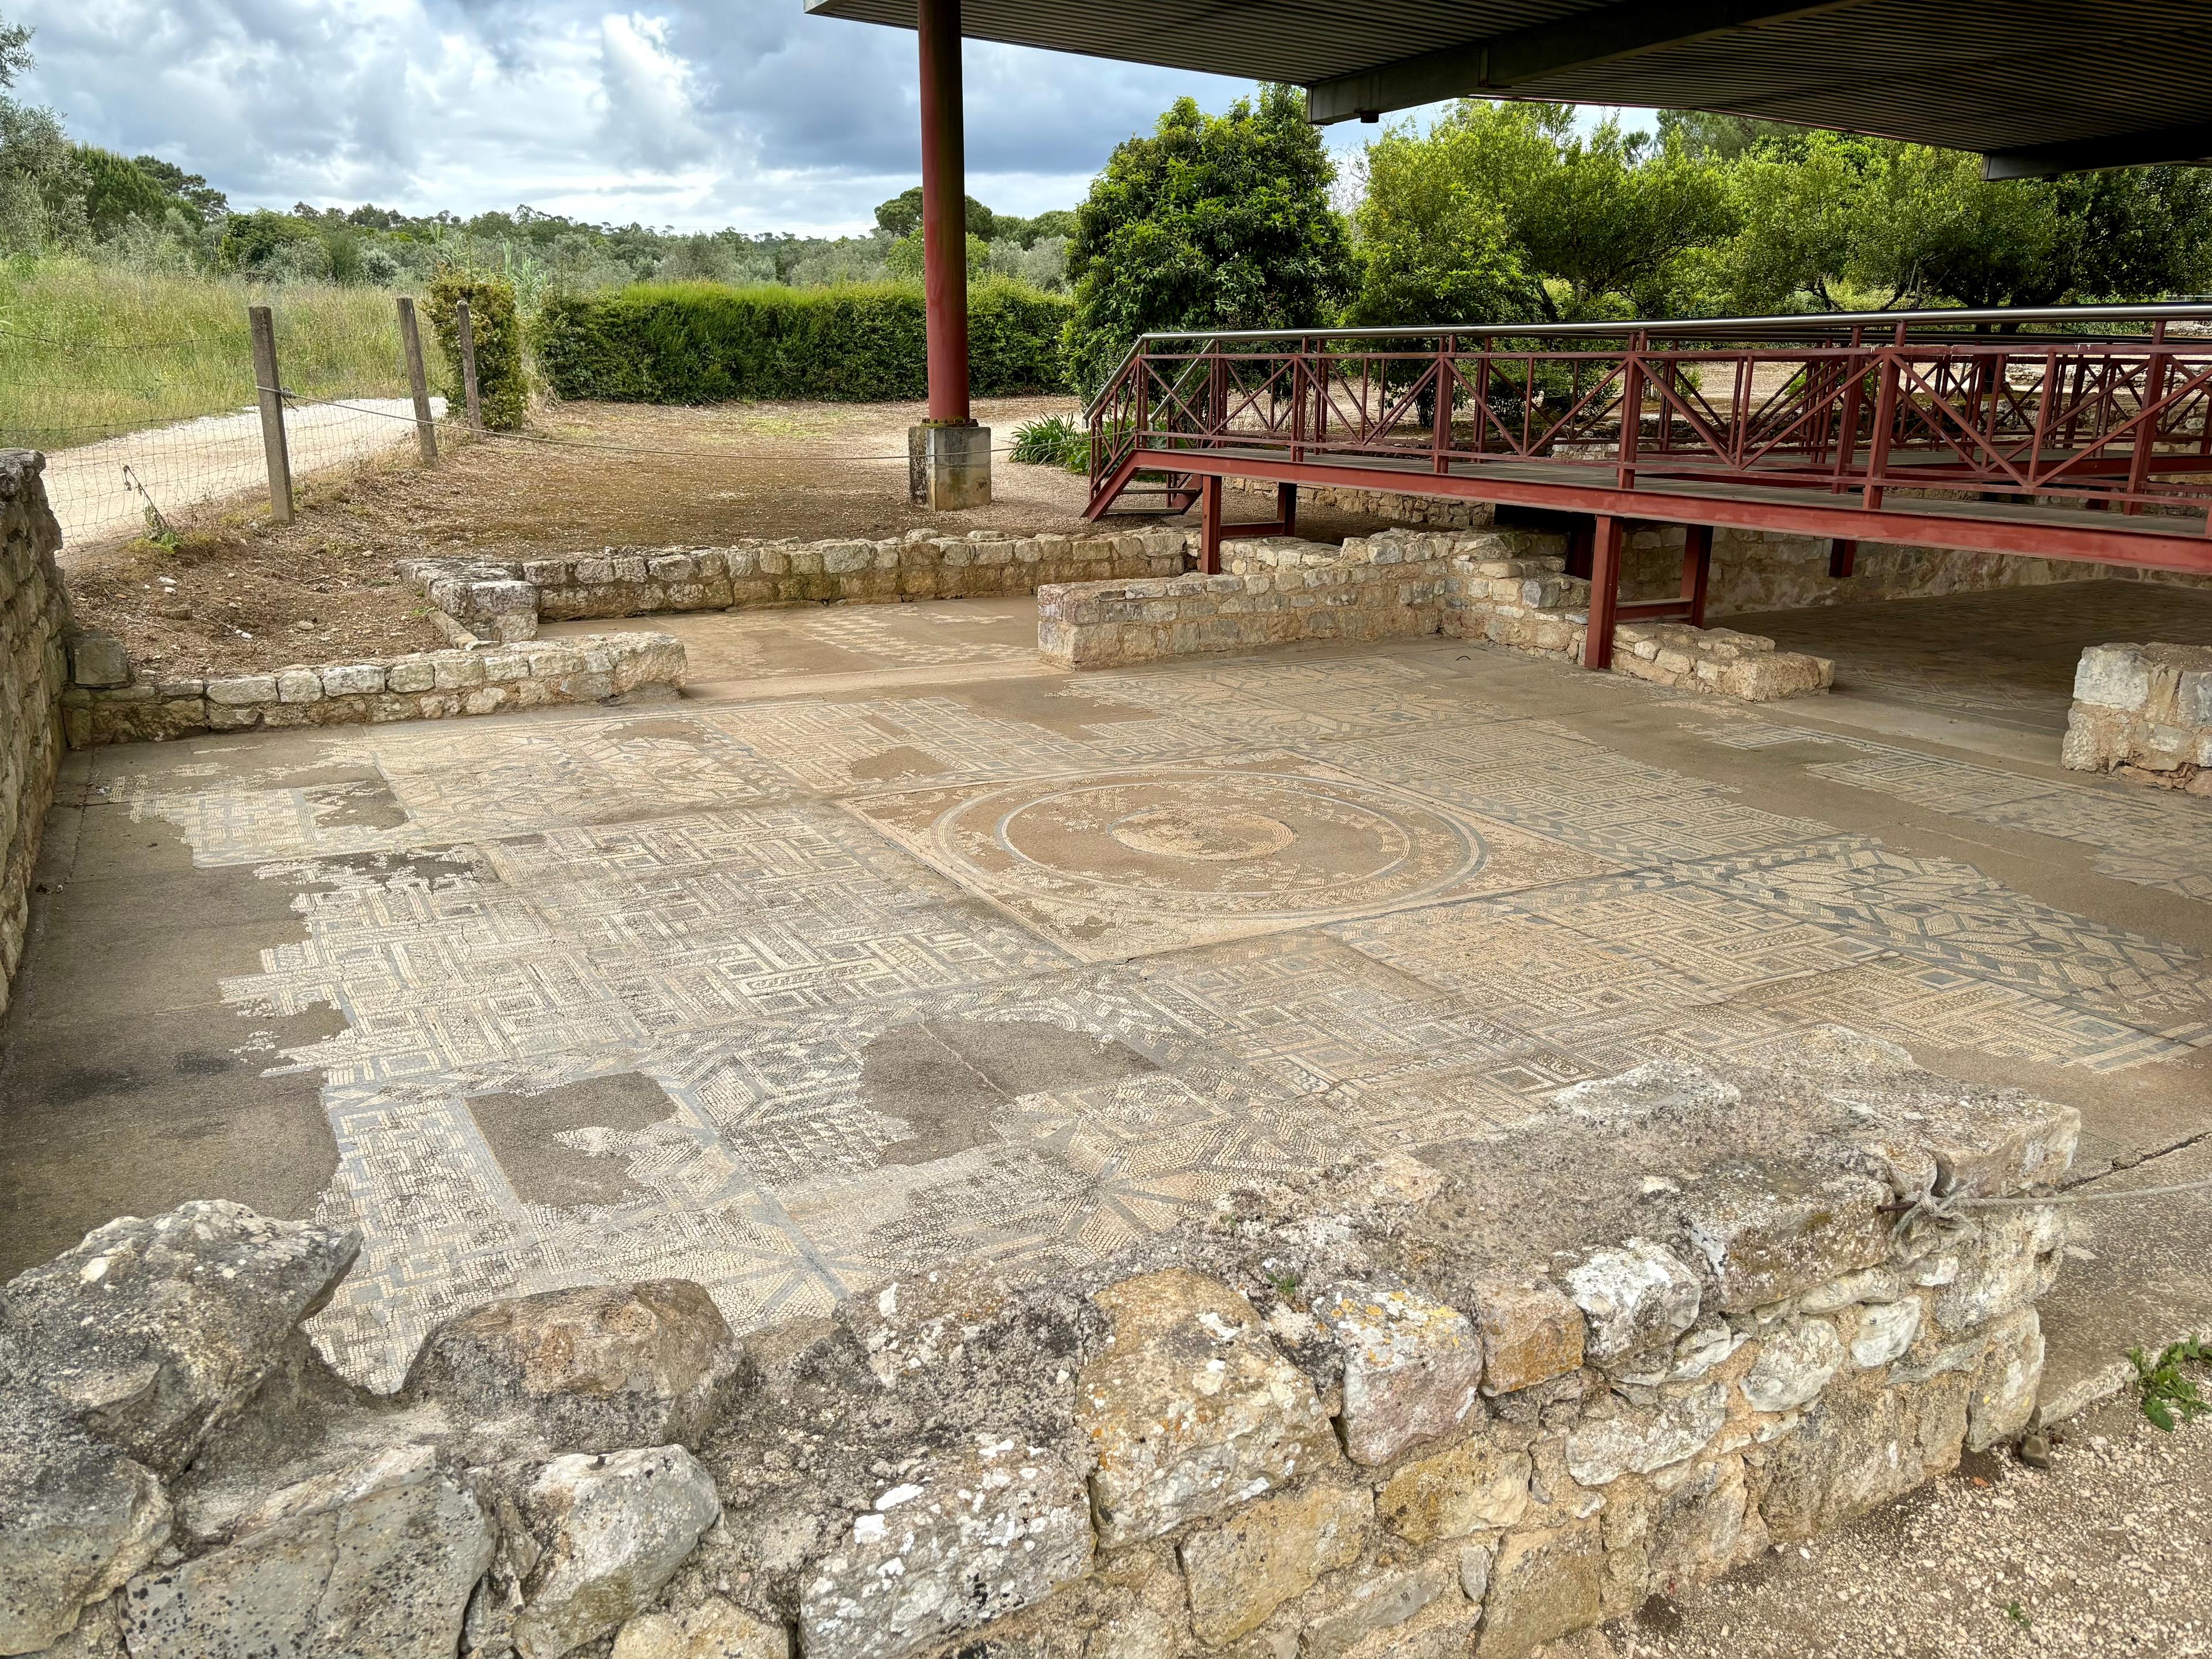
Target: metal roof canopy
2038,87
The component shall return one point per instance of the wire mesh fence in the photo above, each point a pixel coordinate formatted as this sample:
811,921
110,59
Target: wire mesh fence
183,430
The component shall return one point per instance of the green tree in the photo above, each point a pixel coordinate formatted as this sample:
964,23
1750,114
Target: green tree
1212,221
41,186
118,190
901,217
262,242
189,190
1503,211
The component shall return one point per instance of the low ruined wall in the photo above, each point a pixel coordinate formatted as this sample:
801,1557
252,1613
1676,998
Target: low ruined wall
1530,604
2144,712
1488,585
1389,1409
423,685
33,624
506,600
1274,593
1759,570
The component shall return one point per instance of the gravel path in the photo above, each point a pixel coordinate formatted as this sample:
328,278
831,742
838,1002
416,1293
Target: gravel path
2103,1556
209,459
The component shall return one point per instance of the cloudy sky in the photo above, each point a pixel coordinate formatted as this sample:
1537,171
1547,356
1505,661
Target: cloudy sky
695,113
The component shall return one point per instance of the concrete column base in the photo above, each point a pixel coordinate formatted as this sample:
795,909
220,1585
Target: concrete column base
949,466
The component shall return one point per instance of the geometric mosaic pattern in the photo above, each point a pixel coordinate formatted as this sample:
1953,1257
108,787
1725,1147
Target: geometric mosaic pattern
1263,911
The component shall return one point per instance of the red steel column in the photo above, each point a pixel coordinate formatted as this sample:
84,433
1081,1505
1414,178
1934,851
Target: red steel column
1605,592
944,209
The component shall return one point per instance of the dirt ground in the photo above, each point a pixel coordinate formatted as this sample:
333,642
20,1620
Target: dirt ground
2101,1556
239,594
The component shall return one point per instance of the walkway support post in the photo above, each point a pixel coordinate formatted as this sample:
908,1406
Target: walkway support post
1605,592
418,383
948,455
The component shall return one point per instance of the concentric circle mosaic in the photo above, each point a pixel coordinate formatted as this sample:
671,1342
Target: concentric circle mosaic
1141,860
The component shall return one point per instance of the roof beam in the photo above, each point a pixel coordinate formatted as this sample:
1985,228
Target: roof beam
2126,150
1627,28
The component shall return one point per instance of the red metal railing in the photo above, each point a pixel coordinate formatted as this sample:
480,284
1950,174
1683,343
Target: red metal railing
2082,432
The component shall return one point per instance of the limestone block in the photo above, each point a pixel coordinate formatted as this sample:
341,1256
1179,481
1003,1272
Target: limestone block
1640,1440
1857,1445
1542,1585
1794,1364
1770,1239
713,1629
1632,1297
242,690
613,1530
1475,1485
1190,1408
98,659
299,685
77,1519
947,1550
1885,1332
411,674
222,719
2003,1396
2014,1263
344,679
2113,676
1380,1600
1269,1552
377,1562
593,1367
150,1332
1531,1333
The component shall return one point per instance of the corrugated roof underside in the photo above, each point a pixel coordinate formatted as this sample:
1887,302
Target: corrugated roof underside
1973,73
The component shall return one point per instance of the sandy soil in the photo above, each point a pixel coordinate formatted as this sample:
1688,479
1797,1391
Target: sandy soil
239,594
2100,1557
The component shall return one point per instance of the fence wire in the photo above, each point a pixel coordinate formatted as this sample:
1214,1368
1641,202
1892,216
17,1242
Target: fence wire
197,444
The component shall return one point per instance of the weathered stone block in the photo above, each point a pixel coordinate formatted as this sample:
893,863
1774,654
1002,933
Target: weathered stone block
1377,1600
1633,1296
595,1368
1641,1440
1191,1408
1269,1552
98,659
1412,1367
242,690
713,1629
1531,1333
1794,1364
949,1548
1542,1585
2003,1397
1477,1486
2113,676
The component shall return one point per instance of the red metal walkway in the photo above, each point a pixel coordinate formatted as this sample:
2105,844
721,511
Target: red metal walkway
2080,433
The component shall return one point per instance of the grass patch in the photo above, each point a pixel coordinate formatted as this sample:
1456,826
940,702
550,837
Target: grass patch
1053,440
88,350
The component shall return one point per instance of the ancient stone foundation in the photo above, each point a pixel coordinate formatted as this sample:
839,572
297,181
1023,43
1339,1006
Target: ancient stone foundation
34,623
425,686
1509,587
507,601
2145,713
1397,1407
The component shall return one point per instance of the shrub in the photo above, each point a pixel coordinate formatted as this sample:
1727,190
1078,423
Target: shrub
692,342
1053,440
502,385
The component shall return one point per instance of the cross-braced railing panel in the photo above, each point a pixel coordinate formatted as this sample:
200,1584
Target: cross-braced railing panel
2108,408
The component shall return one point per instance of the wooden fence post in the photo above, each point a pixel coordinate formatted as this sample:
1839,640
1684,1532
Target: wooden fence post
271,392
468,343
418,383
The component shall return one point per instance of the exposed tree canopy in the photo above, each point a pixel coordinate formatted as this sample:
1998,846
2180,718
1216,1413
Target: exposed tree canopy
1212,221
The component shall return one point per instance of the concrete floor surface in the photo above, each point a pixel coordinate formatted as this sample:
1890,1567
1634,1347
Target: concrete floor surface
888,945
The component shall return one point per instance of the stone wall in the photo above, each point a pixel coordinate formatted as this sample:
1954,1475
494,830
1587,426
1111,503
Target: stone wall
1505,592
1757,570
1273,593
2143,712
33,624
1498,586
1673,1319
423,685
505,601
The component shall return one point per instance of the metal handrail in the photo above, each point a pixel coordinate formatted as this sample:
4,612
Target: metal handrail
1809,322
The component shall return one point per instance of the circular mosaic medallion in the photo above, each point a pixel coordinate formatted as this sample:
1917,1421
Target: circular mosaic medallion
1210,844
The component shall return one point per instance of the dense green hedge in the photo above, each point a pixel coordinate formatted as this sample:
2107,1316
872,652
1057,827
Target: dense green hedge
502,381
697,343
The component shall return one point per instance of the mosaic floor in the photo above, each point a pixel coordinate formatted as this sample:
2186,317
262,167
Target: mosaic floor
786,994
